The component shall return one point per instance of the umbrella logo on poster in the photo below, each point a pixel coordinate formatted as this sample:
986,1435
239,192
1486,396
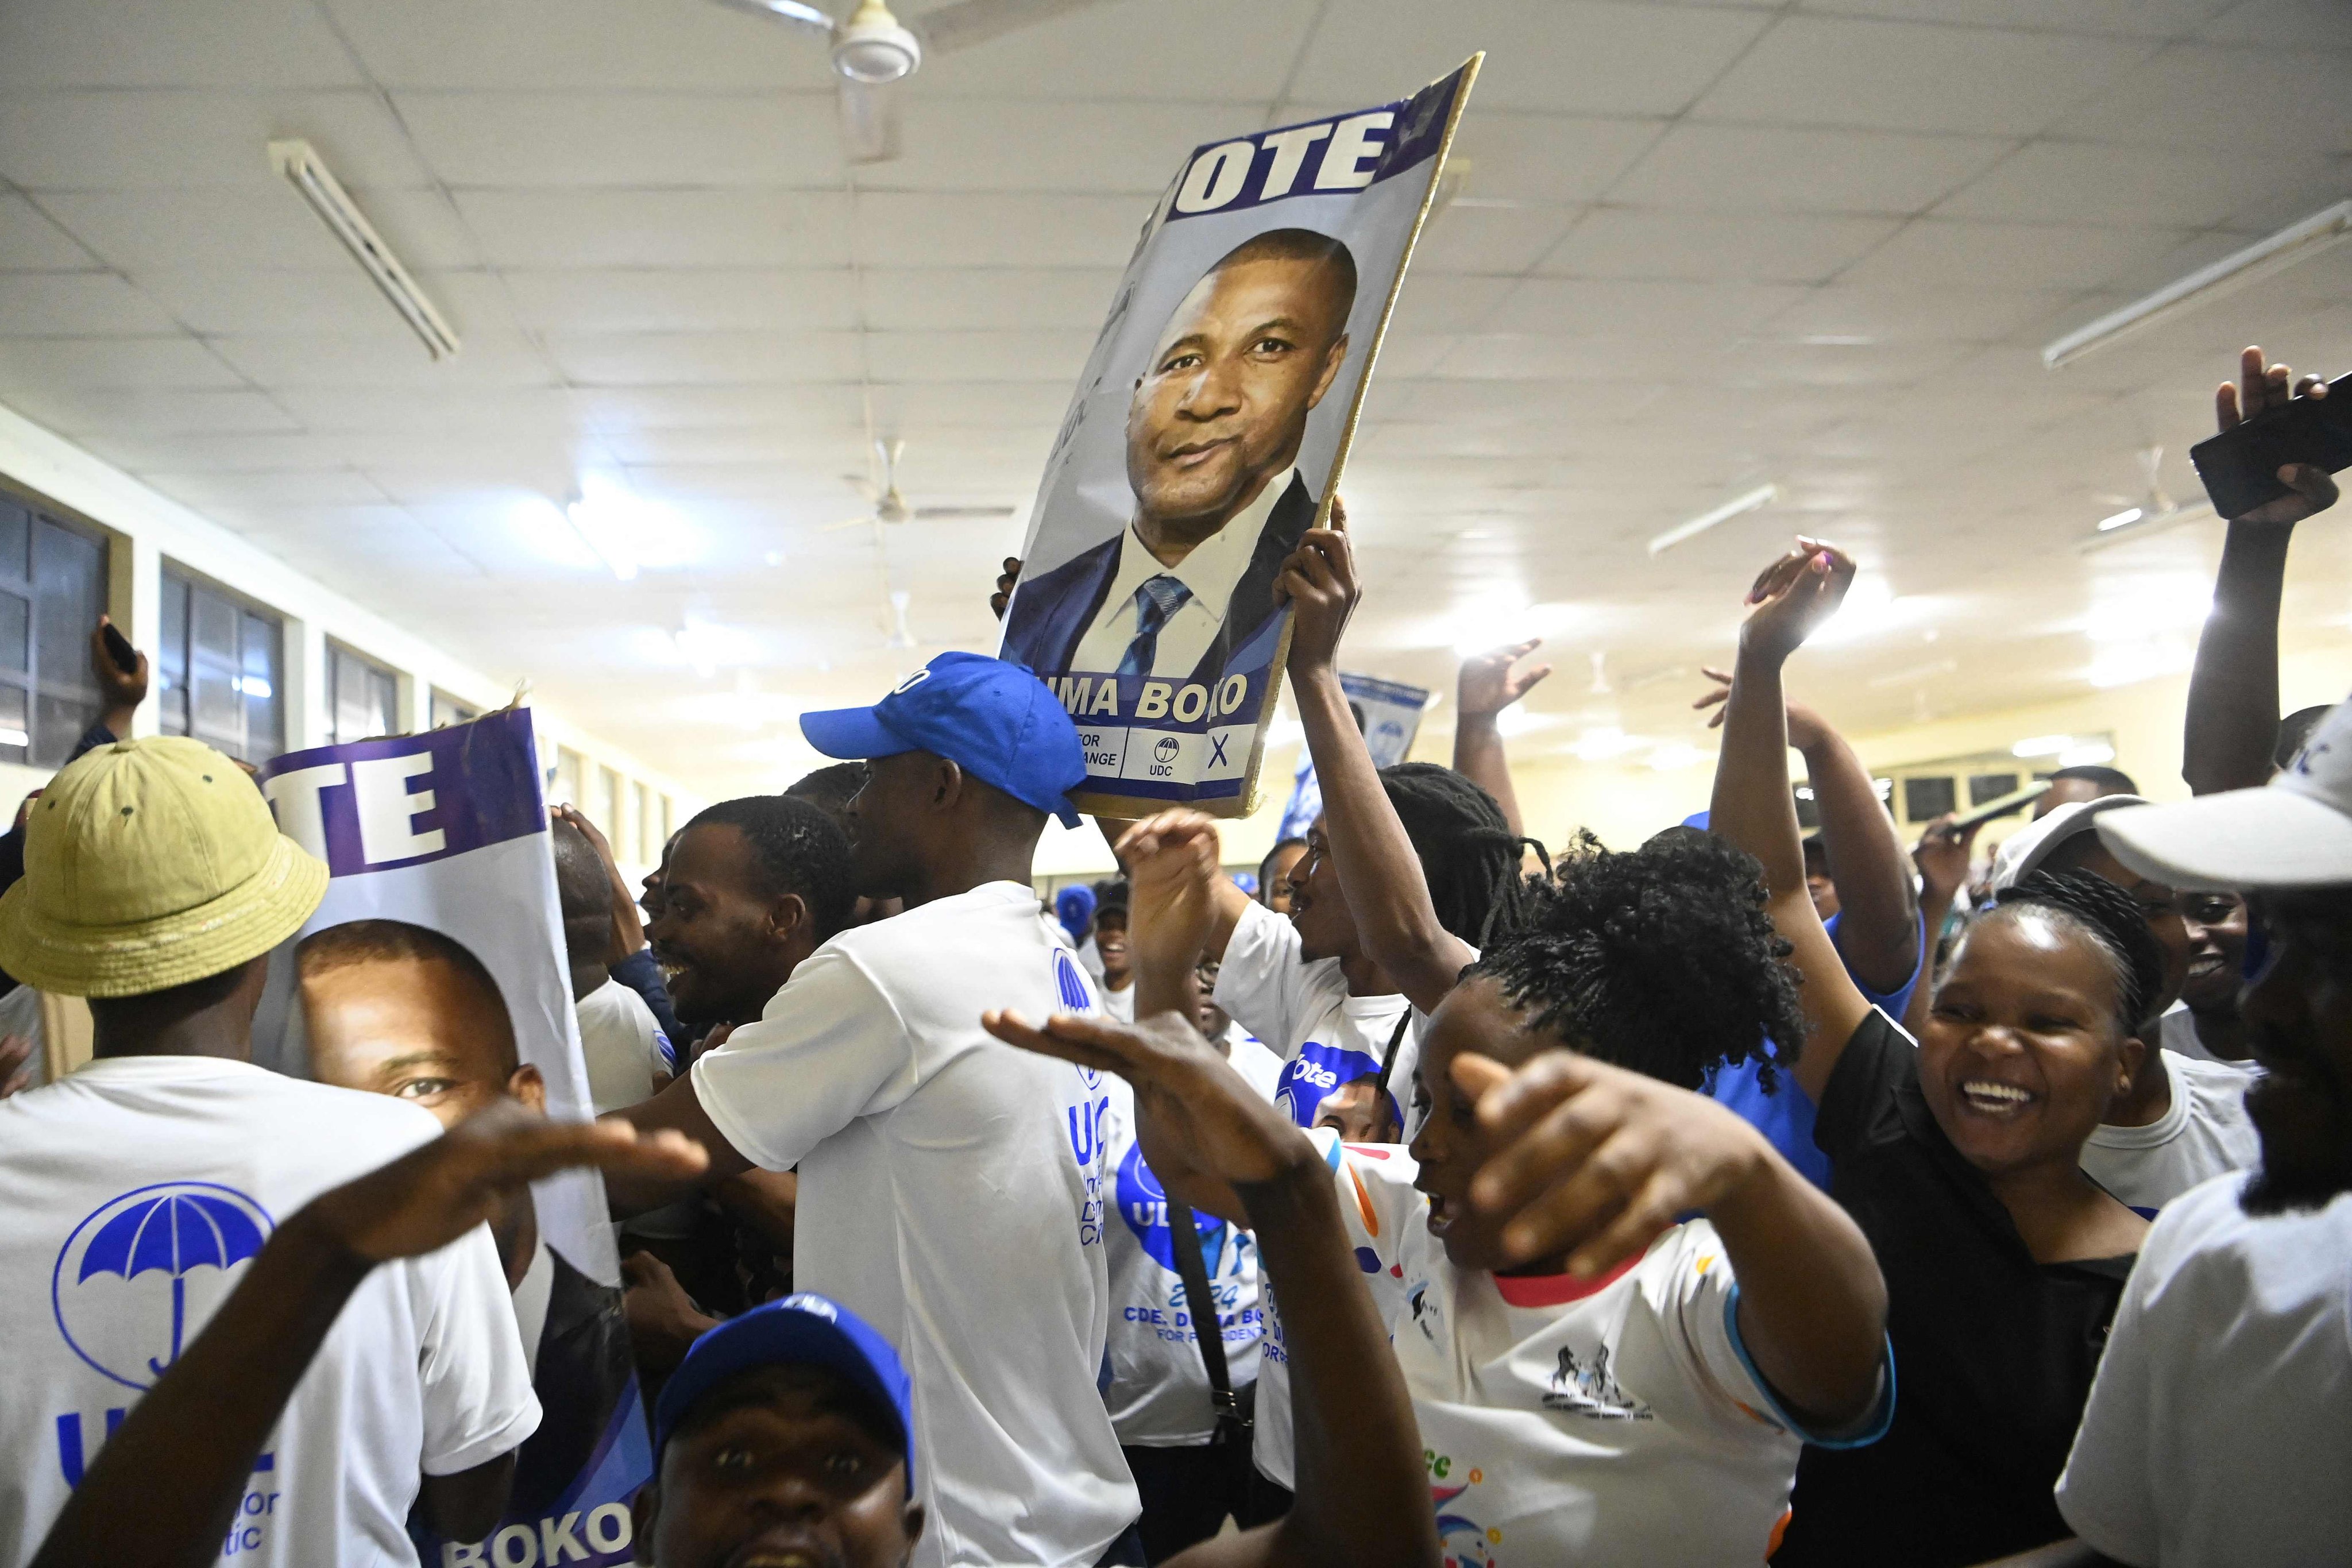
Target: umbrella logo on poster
127,1277
1208,435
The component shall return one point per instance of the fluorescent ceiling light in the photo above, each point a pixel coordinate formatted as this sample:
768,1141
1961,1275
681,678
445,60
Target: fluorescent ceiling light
2089,754
1604,742
302,167
1761,496
252,686
15,738
2123,518
2041,745
2283,249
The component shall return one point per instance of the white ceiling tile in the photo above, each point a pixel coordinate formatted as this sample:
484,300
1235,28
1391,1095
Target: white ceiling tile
262,227
625,140
1497,241
896,228
112,362
1627,242
1762,168
1066,147
292,360
171,43
434,414
317,486
73,411
1034,407
219,453
1920,315
655,300
1585,306
221,300
717,408
1238,51
158,139
29,242
685,358
2128,18
654,446
1549,160
2090,181
1448,303
531,45
987,297
1057,356
2286,24
2233,98
1901,76
46,304
1937,253
1555,55
658,228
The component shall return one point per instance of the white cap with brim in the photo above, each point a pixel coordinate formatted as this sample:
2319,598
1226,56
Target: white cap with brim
2022,852
2296,832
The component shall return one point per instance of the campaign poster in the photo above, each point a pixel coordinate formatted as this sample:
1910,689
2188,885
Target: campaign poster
434,970
1207,435
1387,714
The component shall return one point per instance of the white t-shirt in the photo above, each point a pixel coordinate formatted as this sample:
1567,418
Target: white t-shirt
1158,1393
952,1193
2205,1132
2220,1430
1304,1011
137,1188
1119,1005
623,1046
1616,1420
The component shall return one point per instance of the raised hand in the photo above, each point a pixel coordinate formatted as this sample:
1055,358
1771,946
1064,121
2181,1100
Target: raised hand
1794,597
2261,387
1194,1114
1597,1159
1006,581
1320,580
1172,867
1943,854
431,1196
1489,682
120,692
1806,728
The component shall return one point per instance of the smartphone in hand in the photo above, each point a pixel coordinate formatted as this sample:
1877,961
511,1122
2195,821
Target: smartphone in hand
2240,466
118,648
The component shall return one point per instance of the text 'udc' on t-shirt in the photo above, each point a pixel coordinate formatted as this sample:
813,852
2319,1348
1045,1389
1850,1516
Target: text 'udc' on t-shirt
952,1193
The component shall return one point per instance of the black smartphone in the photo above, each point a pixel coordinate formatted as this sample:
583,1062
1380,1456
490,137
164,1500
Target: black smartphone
2001,805
118,648
2240,467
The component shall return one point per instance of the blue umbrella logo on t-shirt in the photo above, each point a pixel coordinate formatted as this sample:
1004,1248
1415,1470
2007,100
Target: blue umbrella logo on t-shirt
120,1288
1144,1206
1311,1075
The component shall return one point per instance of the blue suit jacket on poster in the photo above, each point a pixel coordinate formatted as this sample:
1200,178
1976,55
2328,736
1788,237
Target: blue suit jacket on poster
1050,615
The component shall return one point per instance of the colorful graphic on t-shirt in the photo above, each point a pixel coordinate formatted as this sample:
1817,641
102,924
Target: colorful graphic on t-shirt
146,1268
1143,1204
1311,1076
1463,1541
1070,985
1587,1389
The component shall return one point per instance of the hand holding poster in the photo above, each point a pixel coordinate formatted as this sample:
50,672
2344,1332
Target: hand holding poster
434,970
1208,435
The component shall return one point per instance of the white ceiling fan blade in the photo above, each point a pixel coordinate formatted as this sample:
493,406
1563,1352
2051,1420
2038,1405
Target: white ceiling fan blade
941,513
846,522
869,120
970,22
795,12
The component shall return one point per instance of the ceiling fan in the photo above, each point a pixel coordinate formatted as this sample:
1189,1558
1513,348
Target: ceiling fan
890,506
2150,512
873,50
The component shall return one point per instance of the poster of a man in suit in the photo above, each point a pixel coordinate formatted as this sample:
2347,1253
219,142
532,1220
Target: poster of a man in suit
1208,437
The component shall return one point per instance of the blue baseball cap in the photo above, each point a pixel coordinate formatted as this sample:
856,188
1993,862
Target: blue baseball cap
995,721
804,1329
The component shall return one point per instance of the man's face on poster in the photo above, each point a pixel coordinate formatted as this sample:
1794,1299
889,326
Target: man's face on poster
419,1030
1223,405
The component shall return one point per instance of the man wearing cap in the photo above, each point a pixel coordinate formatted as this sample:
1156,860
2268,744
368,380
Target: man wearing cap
951,1188
2217,1431
143,1188
2183,1120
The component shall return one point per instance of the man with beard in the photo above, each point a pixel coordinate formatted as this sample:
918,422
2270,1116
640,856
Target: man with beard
2218,1430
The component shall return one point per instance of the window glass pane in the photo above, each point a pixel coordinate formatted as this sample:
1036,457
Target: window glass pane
447,710
15,538
606,809
15,725
264,729
647,847
217,707
171,661
68,595
567,775
383,691
1925,799
15,633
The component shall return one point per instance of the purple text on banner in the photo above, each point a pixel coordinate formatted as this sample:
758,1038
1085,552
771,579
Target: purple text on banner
370,804
1322,157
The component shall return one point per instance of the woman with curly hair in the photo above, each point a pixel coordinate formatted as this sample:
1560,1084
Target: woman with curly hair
1960,1157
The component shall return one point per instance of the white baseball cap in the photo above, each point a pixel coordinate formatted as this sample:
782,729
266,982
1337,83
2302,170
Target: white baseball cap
2023,851
2296,832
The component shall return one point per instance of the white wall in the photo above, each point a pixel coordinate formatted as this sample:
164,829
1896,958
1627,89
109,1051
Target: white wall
146,528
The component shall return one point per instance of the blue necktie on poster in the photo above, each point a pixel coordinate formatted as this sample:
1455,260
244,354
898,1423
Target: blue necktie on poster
1159,598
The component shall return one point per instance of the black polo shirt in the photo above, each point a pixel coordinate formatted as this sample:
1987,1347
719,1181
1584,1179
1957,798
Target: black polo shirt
1993,1351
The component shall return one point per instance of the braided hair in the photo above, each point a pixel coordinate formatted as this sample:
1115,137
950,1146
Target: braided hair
1662,959
1469,856
2111,918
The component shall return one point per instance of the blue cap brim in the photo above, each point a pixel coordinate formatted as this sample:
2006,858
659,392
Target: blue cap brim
853,734
759,1339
